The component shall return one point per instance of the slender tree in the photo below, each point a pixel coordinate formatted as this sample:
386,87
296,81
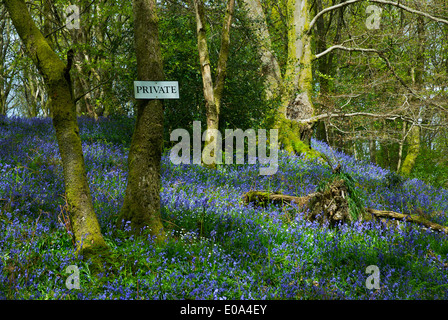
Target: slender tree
212,94
56,75
6,72
413,137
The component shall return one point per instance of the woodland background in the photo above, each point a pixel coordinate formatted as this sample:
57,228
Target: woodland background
391,122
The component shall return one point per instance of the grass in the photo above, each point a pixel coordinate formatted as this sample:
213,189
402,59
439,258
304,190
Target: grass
217,247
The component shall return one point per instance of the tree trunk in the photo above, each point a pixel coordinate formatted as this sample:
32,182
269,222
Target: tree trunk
56,75
269,64
325,66
413,139
5,73
298,76
414,134
221,71
212,94
372,150
141,207
400,146
211,109
293,90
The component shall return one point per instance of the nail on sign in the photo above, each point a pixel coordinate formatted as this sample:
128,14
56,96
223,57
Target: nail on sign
156,89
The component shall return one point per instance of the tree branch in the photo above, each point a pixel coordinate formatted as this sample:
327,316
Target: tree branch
389,66
396,4
319,55
94,88
63,26
224,52
354,114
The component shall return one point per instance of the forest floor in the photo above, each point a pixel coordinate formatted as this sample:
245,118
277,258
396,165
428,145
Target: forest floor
218,247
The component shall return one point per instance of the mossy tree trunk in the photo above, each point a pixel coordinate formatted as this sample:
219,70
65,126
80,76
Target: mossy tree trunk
297,103
212,93
413,151
335,210
292,90
5,72
413,137
55,72
141,207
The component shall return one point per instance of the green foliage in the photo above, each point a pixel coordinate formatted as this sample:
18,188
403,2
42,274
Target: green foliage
432,167
243,105
393,180
356,198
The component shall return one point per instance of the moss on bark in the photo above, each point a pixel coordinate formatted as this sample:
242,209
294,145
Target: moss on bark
291,140
85,227
141,205
413,151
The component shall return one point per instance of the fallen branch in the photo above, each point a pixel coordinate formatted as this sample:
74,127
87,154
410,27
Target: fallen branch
414,218
262,198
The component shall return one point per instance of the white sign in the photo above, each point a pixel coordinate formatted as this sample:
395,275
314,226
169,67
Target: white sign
156,89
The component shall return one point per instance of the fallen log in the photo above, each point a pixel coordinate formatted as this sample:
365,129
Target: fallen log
414,218
329,204
262,198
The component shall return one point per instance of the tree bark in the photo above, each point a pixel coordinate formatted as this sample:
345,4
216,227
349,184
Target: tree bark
293,89
269,64
298,76
141,207
211,109
212,94
84,223
221,71
5,40
413,139
414,134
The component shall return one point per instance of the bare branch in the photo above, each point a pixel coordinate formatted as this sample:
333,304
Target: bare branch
382,56
396,4
93,89
340,5
354,114
319,55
